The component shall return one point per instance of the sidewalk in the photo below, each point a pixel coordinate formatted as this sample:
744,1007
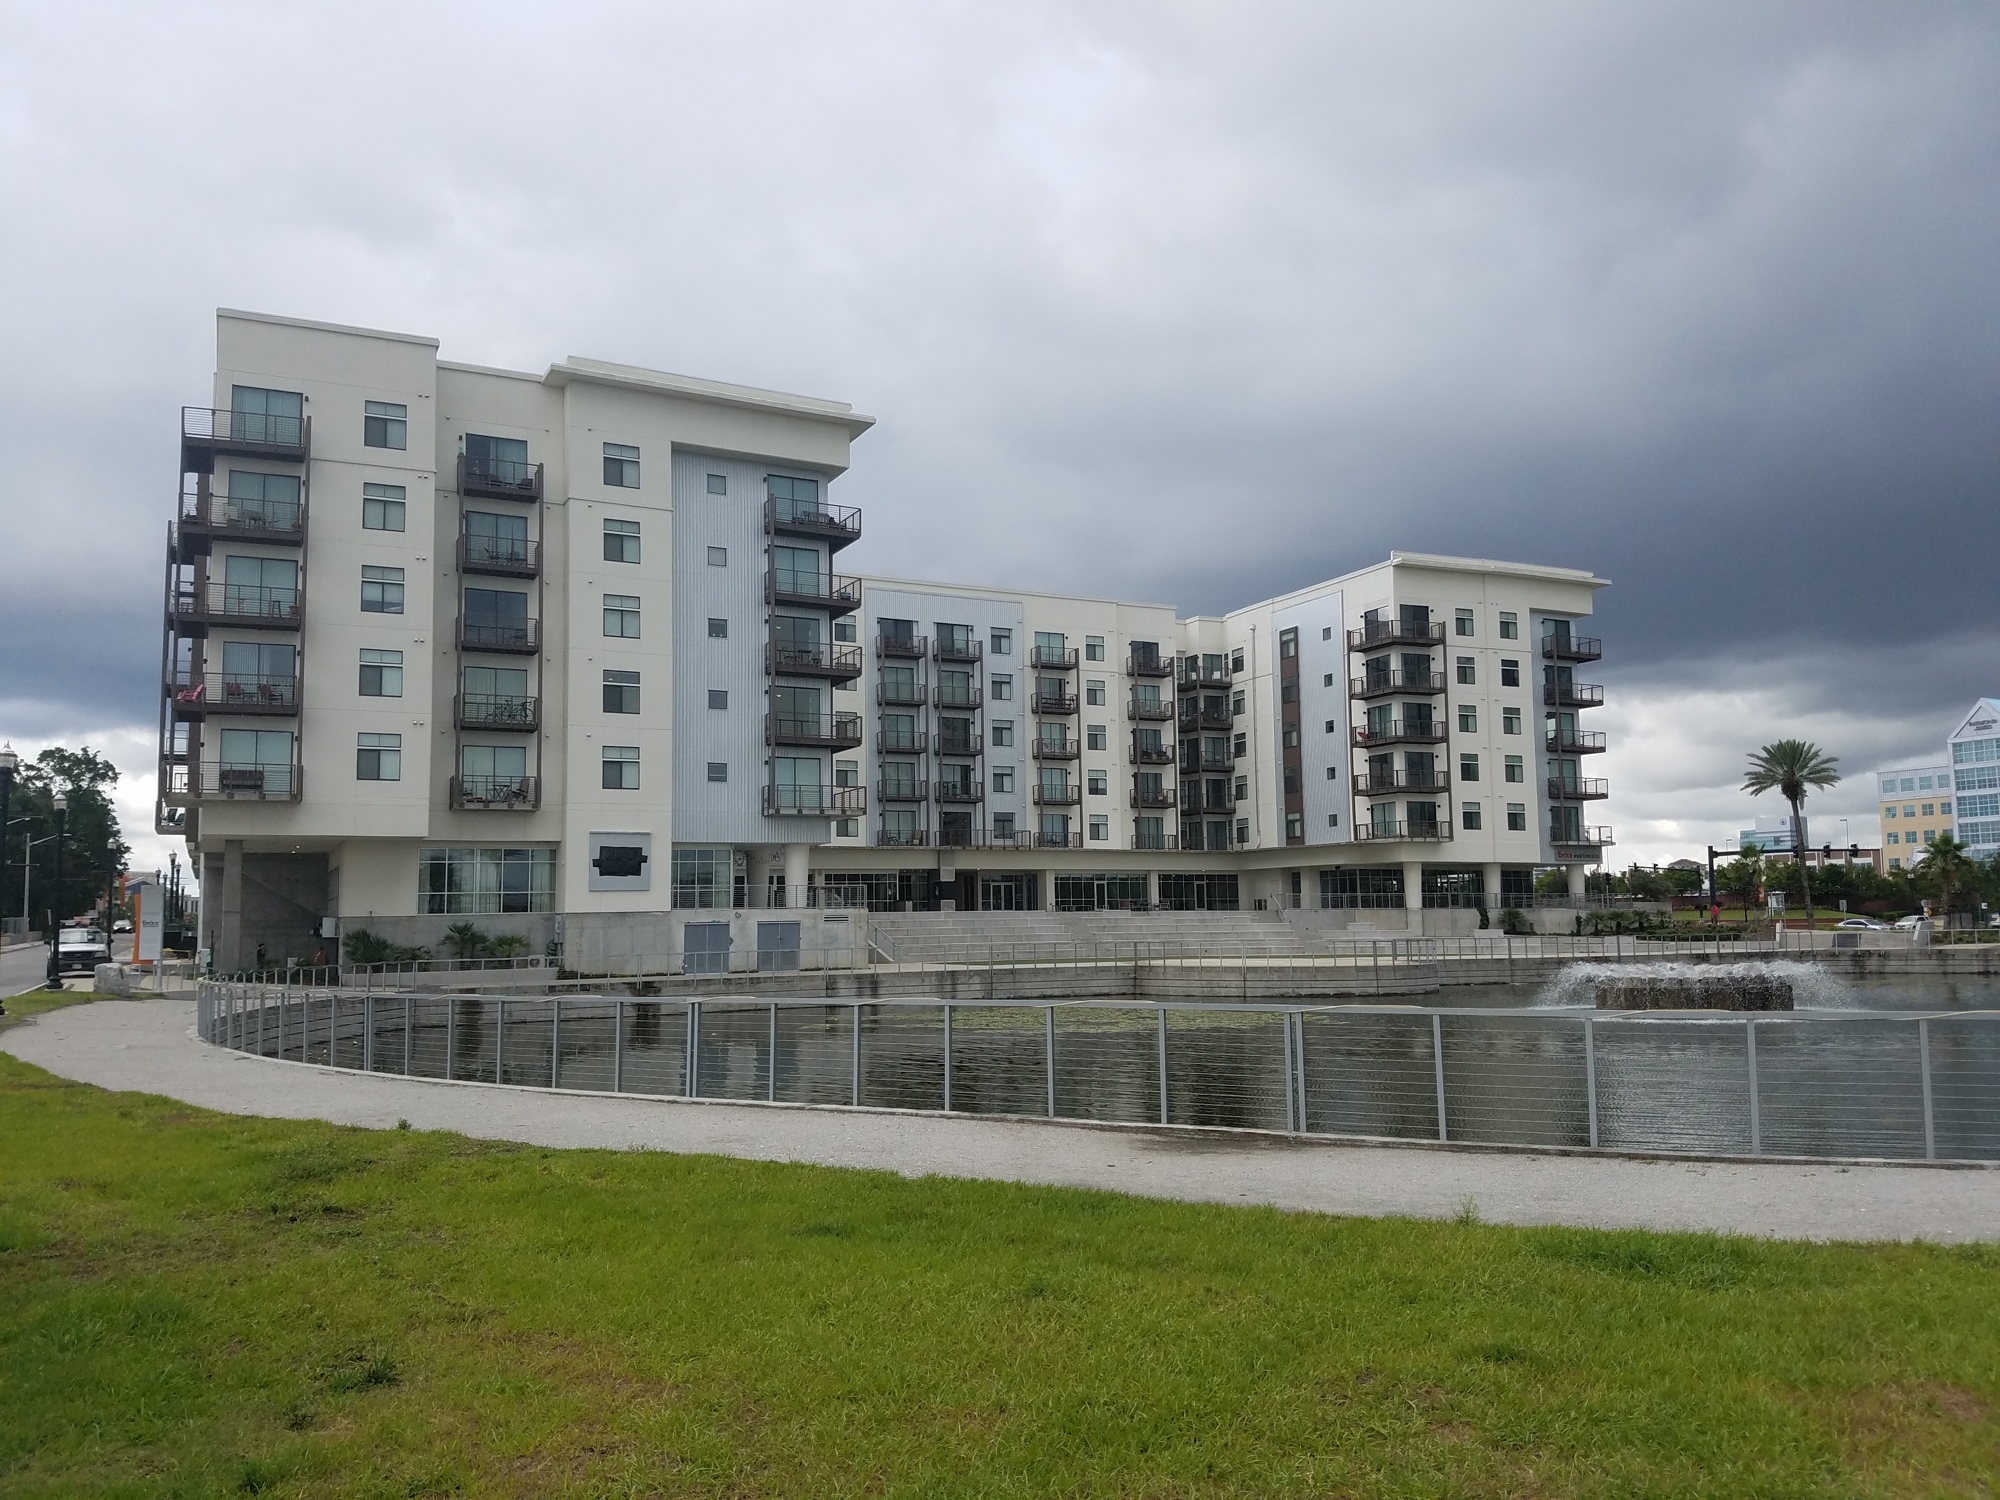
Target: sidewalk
148,1046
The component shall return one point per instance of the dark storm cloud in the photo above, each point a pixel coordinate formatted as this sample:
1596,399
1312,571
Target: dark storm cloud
1178,302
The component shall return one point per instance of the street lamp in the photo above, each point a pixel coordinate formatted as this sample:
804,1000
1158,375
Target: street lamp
9,764
55,901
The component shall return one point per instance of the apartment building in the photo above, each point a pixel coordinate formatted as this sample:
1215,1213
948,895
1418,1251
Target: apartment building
1974,753
1916,806
445,641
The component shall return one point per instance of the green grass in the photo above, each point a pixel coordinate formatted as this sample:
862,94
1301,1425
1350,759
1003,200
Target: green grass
198,1305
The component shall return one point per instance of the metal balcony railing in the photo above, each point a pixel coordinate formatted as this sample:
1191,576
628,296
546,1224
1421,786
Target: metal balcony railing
1401,732
1574,742
523,715
900,695
1220,802
272,523
1053,796
945,649
903,791
912,646
1577,788
1149,666
835,731
837,525
1383,684
959,744
1162,797
1210,763
1145,710
513,637
1416,833
1206,718
1572,695
902,838
1373,783
499,556
949,696
1045,840
1054,658
241,605
1596,836
499,478
1374,633
209,430
1160,840
231,781
836,592
1571,648
1150,755
958,791
1054,703
1058,749
1195,675
815,801
840,663
196,695
914,743
496,793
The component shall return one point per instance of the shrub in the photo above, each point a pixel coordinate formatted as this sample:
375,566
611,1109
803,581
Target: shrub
466,940
509,945
363,947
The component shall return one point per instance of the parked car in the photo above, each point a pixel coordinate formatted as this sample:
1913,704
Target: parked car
80,948
1866,923
1906,923
123,924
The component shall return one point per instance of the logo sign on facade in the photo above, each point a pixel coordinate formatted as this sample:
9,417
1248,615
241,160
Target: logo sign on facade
621,861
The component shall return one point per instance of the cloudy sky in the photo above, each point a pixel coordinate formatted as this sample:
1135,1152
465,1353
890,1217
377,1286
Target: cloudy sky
1699,296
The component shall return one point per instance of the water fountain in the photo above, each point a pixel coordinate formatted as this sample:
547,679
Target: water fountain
1772,986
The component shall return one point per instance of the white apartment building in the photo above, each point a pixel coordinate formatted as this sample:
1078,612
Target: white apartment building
1974,751
445,641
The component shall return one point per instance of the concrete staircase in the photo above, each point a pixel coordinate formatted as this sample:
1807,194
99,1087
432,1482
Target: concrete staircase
944,937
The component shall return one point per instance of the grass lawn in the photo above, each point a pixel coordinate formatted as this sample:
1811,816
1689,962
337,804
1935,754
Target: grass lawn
192,1304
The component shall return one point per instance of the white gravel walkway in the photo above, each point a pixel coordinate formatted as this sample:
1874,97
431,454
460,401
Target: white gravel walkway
148,1046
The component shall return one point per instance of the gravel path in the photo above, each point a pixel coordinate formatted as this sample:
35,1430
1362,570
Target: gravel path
148,1046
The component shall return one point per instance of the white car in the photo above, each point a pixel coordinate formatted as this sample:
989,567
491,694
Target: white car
80,948
1906,923
1868,924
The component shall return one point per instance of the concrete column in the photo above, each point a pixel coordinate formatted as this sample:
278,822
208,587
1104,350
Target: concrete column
1413,885
1153,889
1576,877
798,873
1490,880
756,877
1047,880
229,955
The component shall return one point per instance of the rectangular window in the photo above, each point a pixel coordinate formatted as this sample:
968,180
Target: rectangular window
1100,828
1468,719
621,692
1290,738
385,424
1889,811
1517,817
1094,737
381,673
718,770
381,591
474,882
1463,626
1510,673
1003,778
718,697
1288,644
1003,689
1093,694
718,557
383,507
1510,721
1003,733
621,616
1295,825
1236,704
1923,783
621,541
718,630
1514,770
1909,809
1240,746
1929,810
1894,838
718,484
1327,680
1093,648
1468,769
1097,784
1510,626
621,768
1333,726
621,466
1001,643
1288,692
258,415
1469,815
379,757
1944,809
847,828
1236,658
1466,673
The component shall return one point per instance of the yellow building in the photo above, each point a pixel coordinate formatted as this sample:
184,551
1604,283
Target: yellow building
1916,808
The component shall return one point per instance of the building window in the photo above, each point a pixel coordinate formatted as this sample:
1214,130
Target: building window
381,591
1468,719
621,466
1513,770
1510,673
1093,648
621,692
1510,721
718,484
718,697
1909,809
379,758
1463,626
473,882
847,828
1290,738
1333,726
718,630
1929,811
1100,828
385,424
1894,838
1468,815
718,557
383,507
1288,644
621,541
1001,643
1468,769
718,770
1295,825
1235,661
621,768
1240,746
1242,830
1096,784
1895,864
621,616
1288,692
1889,811
381,673
1094,737
1944,809
1236,704
1003,778
1003,689
1093,694
1003,733
1510,625
1466,673
1517,817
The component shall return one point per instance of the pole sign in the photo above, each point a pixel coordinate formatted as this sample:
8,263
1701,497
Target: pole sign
149,910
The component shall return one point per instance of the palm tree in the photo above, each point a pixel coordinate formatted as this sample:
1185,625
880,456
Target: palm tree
1791,768
1946,862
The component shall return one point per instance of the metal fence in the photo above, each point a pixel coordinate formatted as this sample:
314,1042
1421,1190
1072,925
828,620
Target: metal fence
1839,1084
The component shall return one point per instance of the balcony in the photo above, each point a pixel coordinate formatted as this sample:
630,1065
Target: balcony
817,731
1574,742
815,801
208,431
1194,676
1578,788
1376,783
836,525
835,663
496,793
1055,659
1401,732
1206,718
1386,684
1053,703
1435,832
1223,803
912,647
503,711
902,838
835,592
1560,647
948,696
1586,838
960,744
233,781
1375,633
1044,840
197,607
1149,666
914,743
1048,796
1059,749
1145,711
959,791
1218,764
499,556
196,695
507,637
1163,797
1160,840
1144,755
900,695
204,516
499,479
946,650
1572,695
903,791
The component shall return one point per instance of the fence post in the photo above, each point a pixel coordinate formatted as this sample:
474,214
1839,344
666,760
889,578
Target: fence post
555,1042
409,1046
281,1025
1305,1098
1291,1100
1590,1072
857,1052
947,1057
1437,1058
617,1046
368,1035
1049,1054
1756,1123
1162,1013
450,1036
694,1050
333,1028
771,1080
1924,1061
500,1039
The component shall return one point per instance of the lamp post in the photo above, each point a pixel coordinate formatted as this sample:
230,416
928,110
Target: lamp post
110,886
55,901
9,764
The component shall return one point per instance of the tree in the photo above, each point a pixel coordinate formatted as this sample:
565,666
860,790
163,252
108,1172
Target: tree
1681,881
93,847
1791,768
1743,877
1947,866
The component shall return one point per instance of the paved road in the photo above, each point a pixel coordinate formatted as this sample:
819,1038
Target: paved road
22,967
148,1046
